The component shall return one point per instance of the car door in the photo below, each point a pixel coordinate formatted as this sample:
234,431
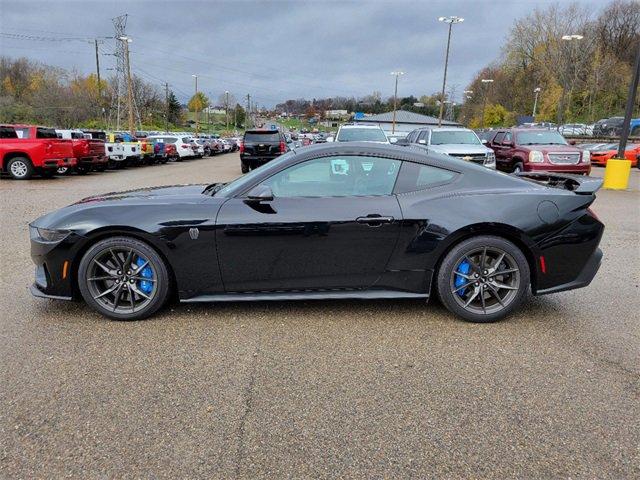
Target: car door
498,148
332,223
508,149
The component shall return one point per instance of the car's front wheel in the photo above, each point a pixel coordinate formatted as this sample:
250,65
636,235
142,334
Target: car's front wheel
483,279
123,278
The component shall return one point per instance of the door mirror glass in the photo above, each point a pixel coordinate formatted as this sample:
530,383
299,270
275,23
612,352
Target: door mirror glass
329,139
484,141
393,140
260,193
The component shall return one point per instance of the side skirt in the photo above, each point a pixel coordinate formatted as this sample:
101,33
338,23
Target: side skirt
310,295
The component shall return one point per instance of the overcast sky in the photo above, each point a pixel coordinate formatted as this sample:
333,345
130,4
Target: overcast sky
274,50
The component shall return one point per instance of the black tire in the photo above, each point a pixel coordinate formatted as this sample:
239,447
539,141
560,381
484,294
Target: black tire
93,286
100,168
495,295
244,167
518,167
20,168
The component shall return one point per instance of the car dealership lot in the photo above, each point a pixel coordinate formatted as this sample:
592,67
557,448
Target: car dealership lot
316,389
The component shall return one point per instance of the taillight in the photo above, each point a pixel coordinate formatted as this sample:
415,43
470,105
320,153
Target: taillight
241,147
283,148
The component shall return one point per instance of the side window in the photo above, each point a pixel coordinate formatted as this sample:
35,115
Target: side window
424,135
7,132
411,138
498,138
338,176
415,176
507,138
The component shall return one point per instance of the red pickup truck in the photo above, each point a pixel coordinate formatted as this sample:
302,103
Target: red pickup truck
90,152
531,150
26,150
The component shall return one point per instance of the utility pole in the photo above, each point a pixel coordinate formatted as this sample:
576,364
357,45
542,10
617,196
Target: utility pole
98,69
535,102
450,21
484,99
132,128
166,102
246,121
631,99
226,108
395,101
195,104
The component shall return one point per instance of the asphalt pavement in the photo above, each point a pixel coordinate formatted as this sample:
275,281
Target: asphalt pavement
317,389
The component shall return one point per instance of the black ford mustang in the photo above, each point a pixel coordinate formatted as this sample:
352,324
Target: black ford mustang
348,220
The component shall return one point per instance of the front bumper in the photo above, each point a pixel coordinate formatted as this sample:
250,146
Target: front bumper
578,169
52,278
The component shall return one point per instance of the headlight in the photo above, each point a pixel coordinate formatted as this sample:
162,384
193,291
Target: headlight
586,156
490,161
536,156
47,235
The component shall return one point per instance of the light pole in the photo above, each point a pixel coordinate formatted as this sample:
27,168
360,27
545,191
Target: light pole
395,100
195,103
484,98
572,39
226,107
535,102
450,21
127,41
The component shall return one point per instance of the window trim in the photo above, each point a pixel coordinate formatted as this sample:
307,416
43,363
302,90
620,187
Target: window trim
456,176
243,193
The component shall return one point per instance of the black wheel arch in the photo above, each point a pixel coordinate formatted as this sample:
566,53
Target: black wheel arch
508,232
121,231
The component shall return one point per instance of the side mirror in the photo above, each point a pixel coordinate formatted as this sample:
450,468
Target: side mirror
422,141
393,140
484,141
260,193
330,139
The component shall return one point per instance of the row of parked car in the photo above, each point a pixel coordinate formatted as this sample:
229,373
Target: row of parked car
27,150
607,127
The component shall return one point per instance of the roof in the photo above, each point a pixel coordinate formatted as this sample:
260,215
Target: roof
403,116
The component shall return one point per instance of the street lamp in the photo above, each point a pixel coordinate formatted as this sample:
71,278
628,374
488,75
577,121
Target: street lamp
484,101
450,21
226,107
573,39
535,102
395,100
195,102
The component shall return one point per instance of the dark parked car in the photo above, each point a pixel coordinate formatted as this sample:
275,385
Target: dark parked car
338,220
532,150
608,127
259,147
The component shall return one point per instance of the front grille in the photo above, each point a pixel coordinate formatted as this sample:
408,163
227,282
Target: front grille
564,158
471,157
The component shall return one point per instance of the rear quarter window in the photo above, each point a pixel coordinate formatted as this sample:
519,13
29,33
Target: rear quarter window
8,132
414,177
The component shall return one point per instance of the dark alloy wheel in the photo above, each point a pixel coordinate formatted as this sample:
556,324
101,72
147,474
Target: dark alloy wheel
123,278
483,279
518,168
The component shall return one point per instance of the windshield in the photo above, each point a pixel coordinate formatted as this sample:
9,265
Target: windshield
361,135
454,137
260,137
244,181
546,137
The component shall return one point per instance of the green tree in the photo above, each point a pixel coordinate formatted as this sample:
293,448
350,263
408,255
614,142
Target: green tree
175,109
239,115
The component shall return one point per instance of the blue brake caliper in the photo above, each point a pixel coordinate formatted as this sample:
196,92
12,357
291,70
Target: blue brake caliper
144,285
464,268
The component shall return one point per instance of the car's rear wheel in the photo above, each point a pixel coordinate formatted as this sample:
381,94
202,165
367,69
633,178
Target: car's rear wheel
123,279
20,168
483,279
244,167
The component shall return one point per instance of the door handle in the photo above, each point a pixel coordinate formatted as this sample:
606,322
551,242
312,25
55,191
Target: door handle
374,220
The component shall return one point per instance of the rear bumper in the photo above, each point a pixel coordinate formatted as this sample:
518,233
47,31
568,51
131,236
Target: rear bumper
97,160
583,279
53,163
257,160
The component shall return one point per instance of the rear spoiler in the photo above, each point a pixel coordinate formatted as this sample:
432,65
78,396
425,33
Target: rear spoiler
576,183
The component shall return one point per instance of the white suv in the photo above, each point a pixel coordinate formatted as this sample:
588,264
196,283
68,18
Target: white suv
360,133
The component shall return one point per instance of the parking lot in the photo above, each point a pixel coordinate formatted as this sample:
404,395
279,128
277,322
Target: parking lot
316,389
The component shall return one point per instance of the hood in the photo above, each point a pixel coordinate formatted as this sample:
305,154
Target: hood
164,194
460,149
554,148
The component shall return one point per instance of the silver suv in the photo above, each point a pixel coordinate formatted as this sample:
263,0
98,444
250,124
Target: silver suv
454,141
